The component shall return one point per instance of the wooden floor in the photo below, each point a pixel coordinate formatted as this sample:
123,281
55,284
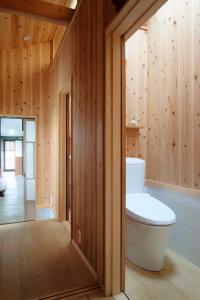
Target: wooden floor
99,296
37,259
179,280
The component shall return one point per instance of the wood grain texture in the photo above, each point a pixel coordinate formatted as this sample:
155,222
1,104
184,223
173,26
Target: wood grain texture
13,29
173,94
80,62
179,280
100,296
38,9
24,79
136,93
172,102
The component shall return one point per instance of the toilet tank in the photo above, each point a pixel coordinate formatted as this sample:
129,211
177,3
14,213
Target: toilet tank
135,174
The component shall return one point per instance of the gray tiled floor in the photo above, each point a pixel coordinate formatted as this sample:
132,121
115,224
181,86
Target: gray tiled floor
185,238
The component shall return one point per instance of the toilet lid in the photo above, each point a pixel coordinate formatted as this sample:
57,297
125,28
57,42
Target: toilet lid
146,209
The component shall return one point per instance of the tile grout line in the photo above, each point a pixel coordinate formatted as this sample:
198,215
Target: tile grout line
127,296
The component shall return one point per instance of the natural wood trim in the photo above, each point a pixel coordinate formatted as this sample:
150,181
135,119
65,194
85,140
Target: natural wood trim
134,14
123,169
39,10
18,116
150,6
62,196
173,187
72,293
67,31
62,175
62,206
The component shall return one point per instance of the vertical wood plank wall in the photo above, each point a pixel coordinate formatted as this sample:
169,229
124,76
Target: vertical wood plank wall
24,90
173,85
136,92
80,61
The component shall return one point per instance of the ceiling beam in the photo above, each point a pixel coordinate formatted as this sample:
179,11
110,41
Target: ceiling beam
38,9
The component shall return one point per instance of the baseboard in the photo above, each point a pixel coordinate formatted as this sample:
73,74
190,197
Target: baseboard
173,187
74,293
85,260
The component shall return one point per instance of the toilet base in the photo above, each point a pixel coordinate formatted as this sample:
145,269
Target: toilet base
146,244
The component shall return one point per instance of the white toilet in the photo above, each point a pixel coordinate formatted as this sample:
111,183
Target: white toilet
149,221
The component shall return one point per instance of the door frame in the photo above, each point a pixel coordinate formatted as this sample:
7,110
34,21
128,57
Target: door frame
62,174
132,16
35,118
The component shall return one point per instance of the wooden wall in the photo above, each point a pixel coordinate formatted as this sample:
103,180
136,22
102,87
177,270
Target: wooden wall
173,84
136,93
80,62
24,91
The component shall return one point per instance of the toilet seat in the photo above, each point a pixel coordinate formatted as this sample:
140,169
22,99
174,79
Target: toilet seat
145,209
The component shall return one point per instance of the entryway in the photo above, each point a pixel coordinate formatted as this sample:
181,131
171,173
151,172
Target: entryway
18,165
172,282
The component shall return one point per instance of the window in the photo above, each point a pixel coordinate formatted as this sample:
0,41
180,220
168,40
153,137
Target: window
11,127
9,155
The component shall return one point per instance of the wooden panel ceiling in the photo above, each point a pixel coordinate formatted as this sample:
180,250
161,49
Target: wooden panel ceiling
14,28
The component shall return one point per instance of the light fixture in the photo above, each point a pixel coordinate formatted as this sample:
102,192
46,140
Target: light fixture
27,38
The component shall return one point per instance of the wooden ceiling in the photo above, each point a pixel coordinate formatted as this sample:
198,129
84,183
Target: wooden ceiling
13,28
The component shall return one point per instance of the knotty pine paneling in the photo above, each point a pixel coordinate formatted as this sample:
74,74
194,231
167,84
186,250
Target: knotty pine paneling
136,92
13,29
24,91
80,60
173,92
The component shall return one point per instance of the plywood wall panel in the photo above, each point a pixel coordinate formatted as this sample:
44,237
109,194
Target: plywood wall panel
80,61
24,82
163,150
196,94
136,92
185,78
176,54
173,105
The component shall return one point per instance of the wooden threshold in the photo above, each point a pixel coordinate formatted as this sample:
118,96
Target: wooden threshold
72,293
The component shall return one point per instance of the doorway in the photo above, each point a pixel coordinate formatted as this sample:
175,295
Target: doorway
69,157
135,17
18,169
66,158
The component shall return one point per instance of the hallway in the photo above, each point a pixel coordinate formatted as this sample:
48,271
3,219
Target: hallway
39,260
